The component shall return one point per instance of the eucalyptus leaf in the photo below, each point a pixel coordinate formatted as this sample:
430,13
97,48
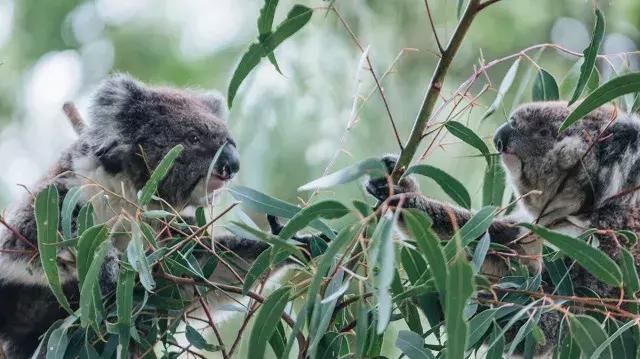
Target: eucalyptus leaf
545,87
266,320
47,215
372,167
611,90
505,85
158,175
590,53
451,186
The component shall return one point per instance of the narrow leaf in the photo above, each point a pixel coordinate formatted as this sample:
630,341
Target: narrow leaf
158,175
611,90
589,335
264,203
68,207
137,258
47,213
429,245
372,167
473,229
91,281
545,87
451,186
505,85
324,209
296,19
629,272
592,259
468,136
590,54
266,321
459,289
493,184
412,345
124,305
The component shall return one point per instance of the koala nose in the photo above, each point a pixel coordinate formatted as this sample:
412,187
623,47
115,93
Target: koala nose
502,137
229,162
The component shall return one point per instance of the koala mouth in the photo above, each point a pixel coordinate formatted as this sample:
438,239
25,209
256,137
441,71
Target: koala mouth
217,181
510,160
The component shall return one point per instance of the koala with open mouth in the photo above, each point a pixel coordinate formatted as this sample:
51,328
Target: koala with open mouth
132,126
582,178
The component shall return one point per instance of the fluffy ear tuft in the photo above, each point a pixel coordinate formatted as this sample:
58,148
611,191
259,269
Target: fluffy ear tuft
216,103
112,95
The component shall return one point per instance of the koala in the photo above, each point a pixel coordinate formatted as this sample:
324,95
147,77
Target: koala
131,127
582,178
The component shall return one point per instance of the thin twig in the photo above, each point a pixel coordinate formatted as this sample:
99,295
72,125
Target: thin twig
74,117
433,27
302,341
373,74
434,88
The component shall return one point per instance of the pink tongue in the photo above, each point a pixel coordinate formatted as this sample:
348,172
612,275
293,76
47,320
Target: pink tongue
214,183
509,159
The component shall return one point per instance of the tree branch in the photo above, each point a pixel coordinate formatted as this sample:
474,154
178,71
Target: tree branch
433,27
434,88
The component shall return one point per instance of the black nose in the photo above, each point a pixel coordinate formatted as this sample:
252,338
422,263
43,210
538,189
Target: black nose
502,137
229,162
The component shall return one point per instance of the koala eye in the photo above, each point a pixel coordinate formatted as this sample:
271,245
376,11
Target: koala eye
512,122
544,132
194,139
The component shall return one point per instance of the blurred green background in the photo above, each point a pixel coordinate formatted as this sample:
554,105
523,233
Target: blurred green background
288,127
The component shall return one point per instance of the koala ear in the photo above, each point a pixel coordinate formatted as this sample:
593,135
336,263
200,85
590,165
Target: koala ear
112,156
215,103
112,95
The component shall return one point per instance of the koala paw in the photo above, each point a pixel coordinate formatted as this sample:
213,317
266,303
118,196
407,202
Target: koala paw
379,187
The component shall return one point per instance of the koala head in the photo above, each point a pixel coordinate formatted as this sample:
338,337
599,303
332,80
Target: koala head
574,170
133,126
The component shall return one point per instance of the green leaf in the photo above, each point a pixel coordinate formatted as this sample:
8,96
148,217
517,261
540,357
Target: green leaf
85,218
571,80
278,340
429,245
505,85
264,203
197,340
58,342
615,88
524,331
468,136
124,306
267,13
545,87
459,289
559,274
479,325
323,209
266,321
413,263
372,167
493,183
496,337
260,266
137,258
362,323
592,259
412,345
47,213
589,335
606,344
480,252
629,272
381,255
89,285
297,17
451,186
158,175
87,245
473,229
323,313
68,207
590,54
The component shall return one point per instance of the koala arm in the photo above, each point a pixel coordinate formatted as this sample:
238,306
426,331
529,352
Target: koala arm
446,217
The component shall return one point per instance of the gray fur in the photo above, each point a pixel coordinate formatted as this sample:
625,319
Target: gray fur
582,178
131,128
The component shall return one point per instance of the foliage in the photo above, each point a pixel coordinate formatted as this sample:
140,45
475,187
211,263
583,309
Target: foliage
346,293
